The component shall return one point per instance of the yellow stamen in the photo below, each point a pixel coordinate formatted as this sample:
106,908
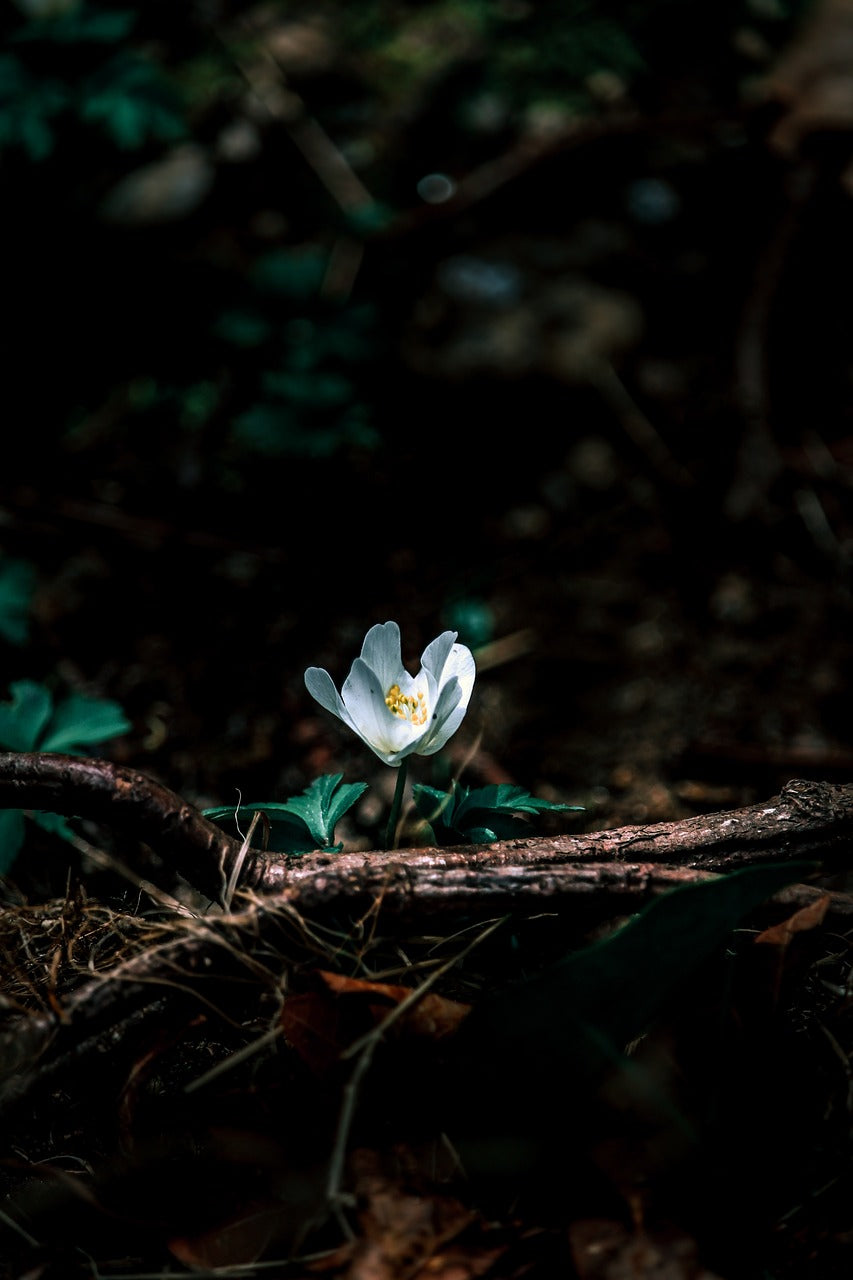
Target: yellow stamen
407,706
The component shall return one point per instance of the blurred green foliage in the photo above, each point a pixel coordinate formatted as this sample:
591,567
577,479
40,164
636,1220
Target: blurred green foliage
33,720
228,187
17,586
56,68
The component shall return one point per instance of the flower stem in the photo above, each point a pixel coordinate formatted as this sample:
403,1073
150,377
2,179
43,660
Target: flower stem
396,806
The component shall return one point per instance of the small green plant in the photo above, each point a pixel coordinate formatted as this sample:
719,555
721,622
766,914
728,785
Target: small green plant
33,721
478,816
305,822
398,715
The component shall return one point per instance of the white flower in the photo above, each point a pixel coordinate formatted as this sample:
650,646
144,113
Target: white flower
396,714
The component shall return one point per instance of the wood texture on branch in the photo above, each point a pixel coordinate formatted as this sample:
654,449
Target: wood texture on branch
806,821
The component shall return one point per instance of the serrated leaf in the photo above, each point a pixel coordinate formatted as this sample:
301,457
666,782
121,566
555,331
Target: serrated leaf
481,815
288,834
11,837
504,798
17,584
319,807
304,822
80,721
23,718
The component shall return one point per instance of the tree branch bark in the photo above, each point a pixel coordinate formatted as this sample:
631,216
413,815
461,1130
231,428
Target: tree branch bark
810,821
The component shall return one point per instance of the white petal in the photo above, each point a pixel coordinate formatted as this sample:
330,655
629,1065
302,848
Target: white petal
460,663
322,687
364,700
444,732
444,712
436,653
381,651
399,756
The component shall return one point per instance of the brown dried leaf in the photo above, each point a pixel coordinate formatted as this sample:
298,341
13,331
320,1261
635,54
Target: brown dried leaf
230,1244
432,1016
310,1026
320,1024
780,935
776,959
402,1232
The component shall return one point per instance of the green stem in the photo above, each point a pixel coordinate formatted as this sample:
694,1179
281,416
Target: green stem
396,805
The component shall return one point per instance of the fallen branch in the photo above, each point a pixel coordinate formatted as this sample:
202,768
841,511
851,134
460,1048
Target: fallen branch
806,821
810,821
590,874
125,801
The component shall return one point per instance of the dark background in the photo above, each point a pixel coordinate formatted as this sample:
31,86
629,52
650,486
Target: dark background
591,410
526,320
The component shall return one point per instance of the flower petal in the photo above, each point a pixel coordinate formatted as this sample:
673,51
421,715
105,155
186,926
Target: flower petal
321,686
443,731
436,653
441,690
364,700
381,651
444,711
460,663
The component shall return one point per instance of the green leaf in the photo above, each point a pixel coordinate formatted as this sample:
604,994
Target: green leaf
288,834
11,837
481,815
17,584
55,823
27,105
309,819
504,798
23,718
13,829
80,721
132,101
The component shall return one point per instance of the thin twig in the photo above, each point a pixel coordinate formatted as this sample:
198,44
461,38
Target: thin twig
363,1050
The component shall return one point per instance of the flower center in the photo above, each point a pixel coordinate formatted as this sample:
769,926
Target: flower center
410,707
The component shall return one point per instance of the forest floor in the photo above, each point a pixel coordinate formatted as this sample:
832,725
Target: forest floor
616,456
